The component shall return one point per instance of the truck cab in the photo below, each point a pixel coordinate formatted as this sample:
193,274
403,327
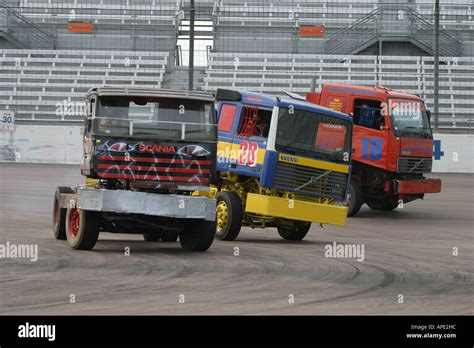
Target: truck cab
392,144
146,154
150,140
281,162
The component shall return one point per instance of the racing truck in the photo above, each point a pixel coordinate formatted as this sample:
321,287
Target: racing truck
392,144
282,162
147,153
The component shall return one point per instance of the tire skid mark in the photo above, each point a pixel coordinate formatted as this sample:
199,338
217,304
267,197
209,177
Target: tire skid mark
388,279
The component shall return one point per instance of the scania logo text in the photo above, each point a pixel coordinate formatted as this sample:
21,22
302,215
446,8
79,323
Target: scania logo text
156,148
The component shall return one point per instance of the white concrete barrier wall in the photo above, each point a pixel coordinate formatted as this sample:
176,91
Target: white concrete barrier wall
453,153
41,144
63,144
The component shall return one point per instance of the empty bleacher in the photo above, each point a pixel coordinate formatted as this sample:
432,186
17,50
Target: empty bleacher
274,73
122,25
129,43
334,13
273,26
35,82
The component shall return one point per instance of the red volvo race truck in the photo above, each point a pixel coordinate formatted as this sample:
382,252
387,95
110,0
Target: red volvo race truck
392,144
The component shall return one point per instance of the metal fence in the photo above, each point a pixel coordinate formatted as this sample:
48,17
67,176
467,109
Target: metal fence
52,51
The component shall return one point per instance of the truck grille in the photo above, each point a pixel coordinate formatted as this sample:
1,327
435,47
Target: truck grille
414,165
292,177
168,170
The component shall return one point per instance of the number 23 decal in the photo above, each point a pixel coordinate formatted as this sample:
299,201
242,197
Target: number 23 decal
248,153
372,148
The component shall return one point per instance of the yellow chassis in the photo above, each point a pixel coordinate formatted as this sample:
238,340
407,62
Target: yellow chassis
294,209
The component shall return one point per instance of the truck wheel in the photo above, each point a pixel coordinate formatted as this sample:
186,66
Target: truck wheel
82,228
229,215
151,236
297,233
355,199
197,235
382,205
59,214
169,236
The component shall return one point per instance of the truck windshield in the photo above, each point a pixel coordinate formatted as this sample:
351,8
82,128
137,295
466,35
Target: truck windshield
409,118
164,118
313,135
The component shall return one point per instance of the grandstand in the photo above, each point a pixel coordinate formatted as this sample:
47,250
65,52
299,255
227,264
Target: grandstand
274,26
35,81
52,51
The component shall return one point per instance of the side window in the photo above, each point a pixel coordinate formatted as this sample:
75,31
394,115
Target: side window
89,116
91,106
226,118
254,122
88,120
367,113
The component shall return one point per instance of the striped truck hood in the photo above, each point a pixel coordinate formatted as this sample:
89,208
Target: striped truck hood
165,162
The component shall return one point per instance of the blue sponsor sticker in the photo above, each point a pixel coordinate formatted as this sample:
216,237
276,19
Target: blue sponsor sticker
437,153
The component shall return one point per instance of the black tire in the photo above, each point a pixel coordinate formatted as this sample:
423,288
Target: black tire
151,236
234,210
59,214
298,233
197,235
382,205
169,236
82,228
355,199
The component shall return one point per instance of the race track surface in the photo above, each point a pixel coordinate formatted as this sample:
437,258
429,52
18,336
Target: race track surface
408,252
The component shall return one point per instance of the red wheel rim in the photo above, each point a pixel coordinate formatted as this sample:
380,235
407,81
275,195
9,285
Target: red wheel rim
74,222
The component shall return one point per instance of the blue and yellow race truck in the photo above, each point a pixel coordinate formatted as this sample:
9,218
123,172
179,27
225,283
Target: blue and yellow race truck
282,162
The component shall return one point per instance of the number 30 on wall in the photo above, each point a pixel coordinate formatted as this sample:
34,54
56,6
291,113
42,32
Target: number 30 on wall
372,148
248,153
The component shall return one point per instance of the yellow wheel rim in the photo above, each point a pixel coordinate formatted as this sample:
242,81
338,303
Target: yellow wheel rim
222,215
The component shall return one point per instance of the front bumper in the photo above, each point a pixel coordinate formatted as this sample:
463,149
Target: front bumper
296,210
132,202
417,186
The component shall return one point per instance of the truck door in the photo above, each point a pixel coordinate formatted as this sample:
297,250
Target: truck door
250,140
370,140
227,118
243,133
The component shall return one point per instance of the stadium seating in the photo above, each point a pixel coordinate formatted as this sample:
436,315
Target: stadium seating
274,25
334,13
36,82
129,25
